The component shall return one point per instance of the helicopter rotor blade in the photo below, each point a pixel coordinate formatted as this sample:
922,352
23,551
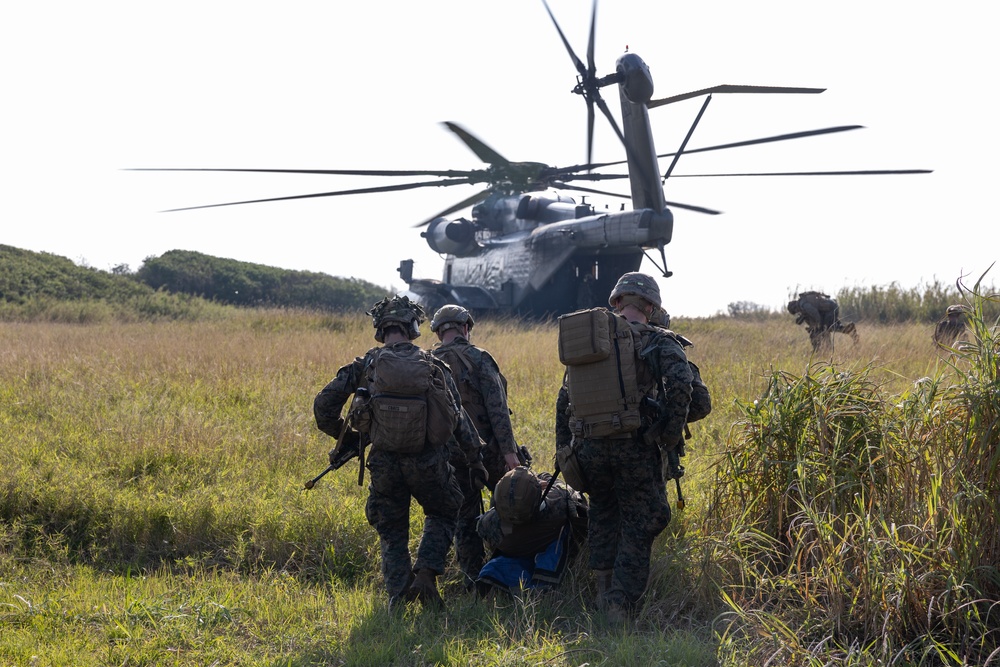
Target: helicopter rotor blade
766,140
737,144
337,193
448,173
469,201
853,172
731,88
696,209
580,67
579,188
688,207
482,151
591,74
591,67
590,131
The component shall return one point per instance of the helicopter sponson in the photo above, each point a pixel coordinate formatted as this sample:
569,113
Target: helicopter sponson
452,237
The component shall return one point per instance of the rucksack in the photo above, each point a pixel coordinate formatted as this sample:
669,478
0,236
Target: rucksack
457,358
701,399
409,401
600,352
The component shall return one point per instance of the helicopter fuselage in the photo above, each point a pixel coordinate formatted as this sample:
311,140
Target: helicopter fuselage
530,253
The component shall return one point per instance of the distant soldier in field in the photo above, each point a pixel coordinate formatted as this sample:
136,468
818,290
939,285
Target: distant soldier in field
820,313
951,327
484,397
407,406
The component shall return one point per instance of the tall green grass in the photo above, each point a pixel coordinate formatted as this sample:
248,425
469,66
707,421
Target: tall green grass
860,526
152,511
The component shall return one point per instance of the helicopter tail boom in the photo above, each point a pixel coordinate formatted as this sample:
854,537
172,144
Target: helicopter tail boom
623,231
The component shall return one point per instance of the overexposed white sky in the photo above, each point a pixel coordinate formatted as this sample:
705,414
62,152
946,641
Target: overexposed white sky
92,89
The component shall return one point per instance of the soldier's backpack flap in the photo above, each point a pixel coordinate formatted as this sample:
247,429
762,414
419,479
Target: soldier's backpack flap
583,336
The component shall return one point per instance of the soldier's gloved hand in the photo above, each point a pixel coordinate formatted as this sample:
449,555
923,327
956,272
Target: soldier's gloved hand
331,428
478,475
668,441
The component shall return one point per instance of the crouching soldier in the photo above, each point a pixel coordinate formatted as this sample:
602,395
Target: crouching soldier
407,406
535,525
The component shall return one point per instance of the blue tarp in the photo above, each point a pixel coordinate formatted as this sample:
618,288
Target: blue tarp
512,574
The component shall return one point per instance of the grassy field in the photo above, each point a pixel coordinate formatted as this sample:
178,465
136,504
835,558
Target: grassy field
839,510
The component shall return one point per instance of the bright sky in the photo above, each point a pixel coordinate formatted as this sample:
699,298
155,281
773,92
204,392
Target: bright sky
91,89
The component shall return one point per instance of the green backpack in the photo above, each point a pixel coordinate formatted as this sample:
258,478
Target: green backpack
600,352
409,403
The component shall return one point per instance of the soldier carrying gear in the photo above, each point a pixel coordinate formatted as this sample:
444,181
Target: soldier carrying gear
484,397
423,469
951,327
820,313
621,469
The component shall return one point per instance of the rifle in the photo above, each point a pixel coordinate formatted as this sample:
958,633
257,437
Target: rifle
348,447
673,456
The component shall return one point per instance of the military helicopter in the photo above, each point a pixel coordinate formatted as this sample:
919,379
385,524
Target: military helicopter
534,253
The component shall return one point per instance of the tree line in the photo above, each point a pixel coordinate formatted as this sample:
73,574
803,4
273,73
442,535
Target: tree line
31,280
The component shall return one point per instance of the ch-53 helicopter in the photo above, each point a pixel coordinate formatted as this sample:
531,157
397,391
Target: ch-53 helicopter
527,252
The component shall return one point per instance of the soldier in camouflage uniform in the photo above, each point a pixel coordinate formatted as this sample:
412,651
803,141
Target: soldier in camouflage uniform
820,314
628,502
428,476
523,522
484,397
951,327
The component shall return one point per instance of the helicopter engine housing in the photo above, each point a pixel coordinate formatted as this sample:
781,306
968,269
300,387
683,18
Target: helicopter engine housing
452,237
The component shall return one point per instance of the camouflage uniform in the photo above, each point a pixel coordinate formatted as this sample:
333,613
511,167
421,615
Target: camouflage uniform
820,314
949,329
484,396
428,476
562,506
628,499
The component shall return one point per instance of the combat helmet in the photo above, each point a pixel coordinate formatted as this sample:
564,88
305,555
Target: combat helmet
638,284
957,309
517,496
397,310
451,317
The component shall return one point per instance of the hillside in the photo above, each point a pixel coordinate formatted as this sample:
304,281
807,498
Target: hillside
28,278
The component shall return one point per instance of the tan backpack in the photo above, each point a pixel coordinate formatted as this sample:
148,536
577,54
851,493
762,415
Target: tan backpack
409,404
600,352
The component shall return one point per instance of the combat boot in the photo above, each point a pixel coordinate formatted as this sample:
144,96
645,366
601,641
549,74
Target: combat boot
399,600
424,588
604,579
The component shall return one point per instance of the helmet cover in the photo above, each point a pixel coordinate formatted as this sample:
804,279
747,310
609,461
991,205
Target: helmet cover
398,310
638,284
517,496
451,316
